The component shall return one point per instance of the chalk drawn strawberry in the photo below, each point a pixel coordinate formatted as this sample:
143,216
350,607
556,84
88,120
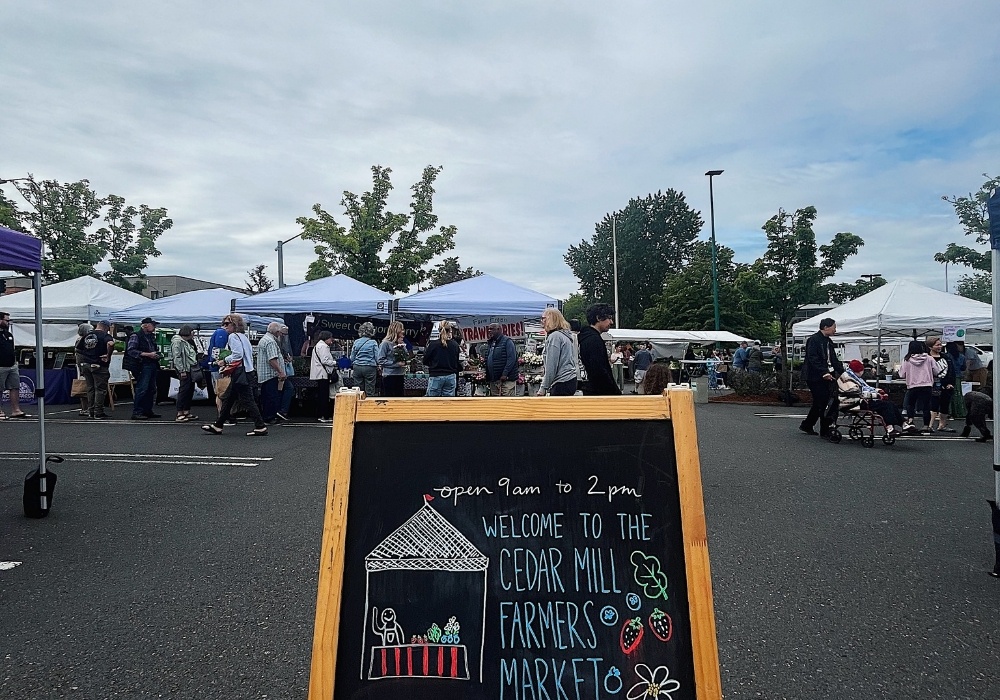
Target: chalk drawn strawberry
631,635
661,625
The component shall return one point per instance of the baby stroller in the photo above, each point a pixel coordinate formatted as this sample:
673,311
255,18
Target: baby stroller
861,424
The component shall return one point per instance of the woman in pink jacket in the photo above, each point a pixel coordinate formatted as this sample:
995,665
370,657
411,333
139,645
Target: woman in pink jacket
918,370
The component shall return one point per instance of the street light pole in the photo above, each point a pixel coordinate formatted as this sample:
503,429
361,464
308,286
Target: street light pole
281,259
614,255
715,272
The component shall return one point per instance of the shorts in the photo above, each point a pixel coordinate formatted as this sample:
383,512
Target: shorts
10,379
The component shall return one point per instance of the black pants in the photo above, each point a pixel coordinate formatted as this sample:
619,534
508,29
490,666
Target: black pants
887,409
942,402
567,388
240,389
824,407
918,399
392,384
323,398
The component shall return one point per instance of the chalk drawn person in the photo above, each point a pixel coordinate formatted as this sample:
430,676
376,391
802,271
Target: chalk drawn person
387,627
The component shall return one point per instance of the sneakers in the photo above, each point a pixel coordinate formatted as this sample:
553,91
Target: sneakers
139,416
807,430
282,417
100,416
152,415
230,422
984,438
325,420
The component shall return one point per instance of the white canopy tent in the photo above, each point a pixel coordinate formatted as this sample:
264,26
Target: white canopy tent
65,305
666,336
200,308
902,308
338,294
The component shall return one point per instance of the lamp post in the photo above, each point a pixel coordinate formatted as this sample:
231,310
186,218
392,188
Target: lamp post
715,272
614,255
281,259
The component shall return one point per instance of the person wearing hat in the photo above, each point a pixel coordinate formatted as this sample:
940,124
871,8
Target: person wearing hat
183,360
93,352
820,371
855,391
141,347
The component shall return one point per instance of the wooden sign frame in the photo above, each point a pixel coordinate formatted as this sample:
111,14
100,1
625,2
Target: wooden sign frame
675,405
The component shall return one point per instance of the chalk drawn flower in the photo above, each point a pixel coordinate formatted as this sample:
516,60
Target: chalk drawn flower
654,684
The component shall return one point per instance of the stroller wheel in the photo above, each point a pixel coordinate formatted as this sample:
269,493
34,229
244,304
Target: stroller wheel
835,435
868,441
854,433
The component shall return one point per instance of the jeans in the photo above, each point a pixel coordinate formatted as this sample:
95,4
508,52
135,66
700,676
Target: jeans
364,379
441,386
287,395
97,387
145,389
270,399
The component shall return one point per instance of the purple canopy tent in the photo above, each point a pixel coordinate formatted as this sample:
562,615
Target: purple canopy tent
23,254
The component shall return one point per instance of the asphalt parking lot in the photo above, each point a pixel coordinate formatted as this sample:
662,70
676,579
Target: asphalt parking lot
177,564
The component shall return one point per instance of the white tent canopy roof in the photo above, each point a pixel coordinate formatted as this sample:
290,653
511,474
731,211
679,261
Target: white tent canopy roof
701,337
480,296
74,301
902,308
339,294
202,307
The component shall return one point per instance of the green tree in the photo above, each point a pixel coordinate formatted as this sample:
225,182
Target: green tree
449,270
63,216
972,214
387,250
9,214
846,291
792,270
576,308
685,302
654,236
258,281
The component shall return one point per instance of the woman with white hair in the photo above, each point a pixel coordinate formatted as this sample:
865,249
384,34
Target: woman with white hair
363,358
559,378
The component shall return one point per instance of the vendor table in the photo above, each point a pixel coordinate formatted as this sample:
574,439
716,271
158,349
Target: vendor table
58,383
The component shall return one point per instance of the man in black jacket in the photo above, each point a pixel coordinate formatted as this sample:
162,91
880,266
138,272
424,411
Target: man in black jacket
594,353
820,372
501,363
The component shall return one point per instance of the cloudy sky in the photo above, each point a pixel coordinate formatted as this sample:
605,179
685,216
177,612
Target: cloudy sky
239,116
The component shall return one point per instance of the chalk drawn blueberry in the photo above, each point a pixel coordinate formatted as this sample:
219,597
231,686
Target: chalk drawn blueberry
613,681
609,616
653,684
633,601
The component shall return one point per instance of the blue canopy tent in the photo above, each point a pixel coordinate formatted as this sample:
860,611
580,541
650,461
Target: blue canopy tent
202,307
339,294
480,296
23,254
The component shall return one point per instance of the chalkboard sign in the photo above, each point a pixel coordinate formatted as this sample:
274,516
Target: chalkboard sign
515,549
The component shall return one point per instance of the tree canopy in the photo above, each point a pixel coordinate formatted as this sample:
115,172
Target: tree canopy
792,270
449,270
257,281
63,216
654,237
384,249
972,214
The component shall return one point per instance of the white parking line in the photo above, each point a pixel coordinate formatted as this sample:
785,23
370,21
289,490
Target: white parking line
8,565
129,458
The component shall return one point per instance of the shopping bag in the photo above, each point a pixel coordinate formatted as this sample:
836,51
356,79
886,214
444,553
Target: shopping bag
79,387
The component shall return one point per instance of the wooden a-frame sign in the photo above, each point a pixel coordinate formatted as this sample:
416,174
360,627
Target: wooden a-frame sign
672,414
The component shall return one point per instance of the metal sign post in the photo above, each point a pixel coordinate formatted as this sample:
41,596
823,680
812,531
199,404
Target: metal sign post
993,208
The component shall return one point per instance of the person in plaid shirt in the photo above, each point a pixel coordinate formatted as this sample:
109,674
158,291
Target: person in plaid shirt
270,372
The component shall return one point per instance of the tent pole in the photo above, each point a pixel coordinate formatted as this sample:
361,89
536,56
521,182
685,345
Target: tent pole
40,386
995,253
878,357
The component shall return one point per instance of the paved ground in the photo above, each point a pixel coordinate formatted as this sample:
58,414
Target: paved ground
839,571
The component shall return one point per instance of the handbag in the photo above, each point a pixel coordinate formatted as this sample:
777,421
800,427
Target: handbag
231,368
79,387
197,375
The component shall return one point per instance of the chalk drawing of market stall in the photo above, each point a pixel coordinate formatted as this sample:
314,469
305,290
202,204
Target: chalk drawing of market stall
423,612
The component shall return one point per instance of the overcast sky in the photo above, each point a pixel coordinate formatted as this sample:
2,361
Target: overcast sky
239,116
